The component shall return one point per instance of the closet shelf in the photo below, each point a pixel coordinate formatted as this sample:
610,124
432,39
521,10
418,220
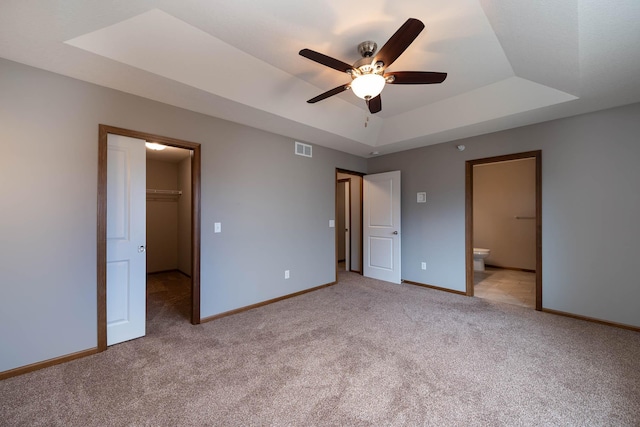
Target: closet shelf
163,195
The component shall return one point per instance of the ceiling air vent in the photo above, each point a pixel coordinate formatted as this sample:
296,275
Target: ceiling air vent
303,149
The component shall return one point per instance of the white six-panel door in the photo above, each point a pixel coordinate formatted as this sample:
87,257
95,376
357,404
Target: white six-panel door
381,198
126,238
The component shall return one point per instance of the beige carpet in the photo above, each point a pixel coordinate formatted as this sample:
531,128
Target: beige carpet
362,352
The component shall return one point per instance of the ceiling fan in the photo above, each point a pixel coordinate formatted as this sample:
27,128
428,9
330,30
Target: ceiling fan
368,74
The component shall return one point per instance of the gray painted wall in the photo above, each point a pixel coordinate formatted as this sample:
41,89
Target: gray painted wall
590,209
271,204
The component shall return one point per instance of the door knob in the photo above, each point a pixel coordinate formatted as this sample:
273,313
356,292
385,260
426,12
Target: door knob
141,249
395,232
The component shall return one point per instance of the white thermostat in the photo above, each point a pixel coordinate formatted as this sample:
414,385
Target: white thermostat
422,197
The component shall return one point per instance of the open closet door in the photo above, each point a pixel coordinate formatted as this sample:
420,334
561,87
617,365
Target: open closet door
381,197
126,238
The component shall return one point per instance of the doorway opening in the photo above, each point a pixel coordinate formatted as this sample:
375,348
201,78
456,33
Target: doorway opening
168,231
343,224
510,220
194,250
348,221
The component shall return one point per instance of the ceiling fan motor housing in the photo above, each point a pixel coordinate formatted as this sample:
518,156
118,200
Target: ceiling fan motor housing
365,65
367,49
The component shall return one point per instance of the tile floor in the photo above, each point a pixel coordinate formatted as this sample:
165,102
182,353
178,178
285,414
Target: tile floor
509,286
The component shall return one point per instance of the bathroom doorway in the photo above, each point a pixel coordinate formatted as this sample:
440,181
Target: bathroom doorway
503,217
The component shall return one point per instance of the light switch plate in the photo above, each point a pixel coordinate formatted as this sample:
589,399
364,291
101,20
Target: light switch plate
217,227
332,223
422,197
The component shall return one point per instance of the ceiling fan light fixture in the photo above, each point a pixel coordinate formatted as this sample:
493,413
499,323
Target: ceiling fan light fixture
369,74
368,86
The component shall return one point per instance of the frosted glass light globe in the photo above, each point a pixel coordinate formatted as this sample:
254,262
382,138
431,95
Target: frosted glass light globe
368,86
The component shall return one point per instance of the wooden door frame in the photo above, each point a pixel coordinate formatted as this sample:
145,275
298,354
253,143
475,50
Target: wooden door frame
537,155
104,130
360,242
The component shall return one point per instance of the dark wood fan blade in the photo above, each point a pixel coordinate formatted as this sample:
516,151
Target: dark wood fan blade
375,104
327,94
400,41
416,77
330,62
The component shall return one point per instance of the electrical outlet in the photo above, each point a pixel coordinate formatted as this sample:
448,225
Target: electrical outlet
286,274
423,265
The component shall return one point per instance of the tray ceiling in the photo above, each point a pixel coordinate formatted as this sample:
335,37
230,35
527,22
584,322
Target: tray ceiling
509,63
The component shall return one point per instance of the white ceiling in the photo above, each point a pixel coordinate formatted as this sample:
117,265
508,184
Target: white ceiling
509,62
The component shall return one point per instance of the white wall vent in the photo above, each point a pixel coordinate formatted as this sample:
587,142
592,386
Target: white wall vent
303,149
